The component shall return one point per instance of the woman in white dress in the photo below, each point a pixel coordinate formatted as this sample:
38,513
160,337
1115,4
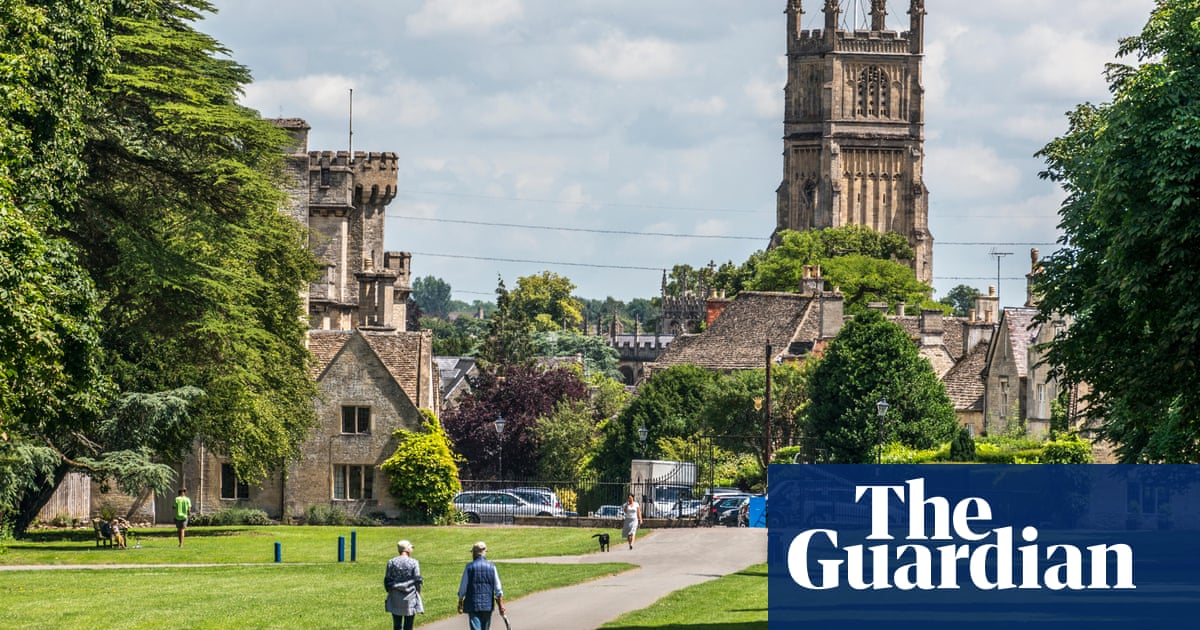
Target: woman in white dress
633,518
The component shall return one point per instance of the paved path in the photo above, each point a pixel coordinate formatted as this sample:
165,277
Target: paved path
669,559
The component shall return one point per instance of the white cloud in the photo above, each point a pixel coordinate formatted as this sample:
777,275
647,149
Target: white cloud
620,58
970,171
711,106
436,17
406,104
765,98
1062,62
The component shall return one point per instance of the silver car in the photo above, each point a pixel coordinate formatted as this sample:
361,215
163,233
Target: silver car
478,505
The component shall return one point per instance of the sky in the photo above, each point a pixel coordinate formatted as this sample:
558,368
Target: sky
608,140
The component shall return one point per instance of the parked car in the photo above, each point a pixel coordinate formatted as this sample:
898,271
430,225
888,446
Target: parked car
544,496
723,510
479,504
686,508
704,511
609,511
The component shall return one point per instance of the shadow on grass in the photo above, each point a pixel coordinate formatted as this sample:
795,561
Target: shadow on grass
39,539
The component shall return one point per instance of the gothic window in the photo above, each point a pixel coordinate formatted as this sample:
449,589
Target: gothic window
873,93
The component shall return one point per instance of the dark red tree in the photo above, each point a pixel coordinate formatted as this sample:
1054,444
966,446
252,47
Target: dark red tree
521,394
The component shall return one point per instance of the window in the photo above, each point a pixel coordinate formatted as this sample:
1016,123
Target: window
873,95
231,486
356,419
1041,392
353,483
326,179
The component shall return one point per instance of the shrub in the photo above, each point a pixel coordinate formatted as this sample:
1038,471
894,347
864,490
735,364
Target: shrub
962,449
1067,448
232,516
897,453
423,473
320,514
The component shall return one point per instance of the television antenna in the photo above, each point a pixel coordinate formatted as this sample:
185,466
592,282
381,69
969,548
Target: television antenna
998,254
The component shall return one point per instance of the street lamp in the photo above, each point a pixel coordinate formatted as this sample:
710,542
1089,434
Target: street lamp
881,408
499,423
642,433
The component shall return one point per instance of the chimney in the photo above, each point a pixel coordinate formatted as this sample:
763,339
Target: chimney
1031,297
900,309
831,314
987,307
932,327
882,307
713,307
811,284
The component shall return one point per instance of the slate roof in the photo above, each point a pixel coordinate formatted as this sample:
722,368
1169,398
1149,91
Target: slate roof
454,372
1021,333
964,382
735,340
952,331
398,352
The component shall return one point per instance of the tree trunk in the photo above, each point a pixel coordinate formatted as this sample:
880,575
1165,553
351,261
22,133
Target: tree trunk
33,500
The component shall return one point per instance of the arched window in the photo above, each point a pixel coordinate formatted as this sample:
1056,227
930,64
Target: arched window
873,94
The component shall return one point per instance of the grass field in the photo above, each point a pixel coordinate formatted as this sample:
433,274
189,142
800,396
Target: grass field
734,602
309,589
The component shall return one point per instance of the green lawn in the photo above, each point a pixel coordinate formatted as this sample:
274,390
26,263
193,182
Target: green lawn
310,589
734,602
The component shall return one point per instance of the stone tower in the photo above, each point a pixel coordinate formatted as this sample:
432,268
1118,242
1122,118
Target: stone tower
340,199
853,146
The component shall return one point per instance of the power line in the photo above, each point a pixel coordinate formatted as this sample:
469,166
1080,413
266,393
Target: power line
565,202
539,262
527,226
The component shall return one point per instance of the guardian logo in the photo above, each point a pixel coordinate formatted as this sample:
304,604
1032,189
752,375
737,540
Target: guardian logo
983,546
912,566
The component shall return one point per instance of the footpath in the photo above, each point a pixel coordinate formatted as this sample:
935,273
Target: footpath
668,560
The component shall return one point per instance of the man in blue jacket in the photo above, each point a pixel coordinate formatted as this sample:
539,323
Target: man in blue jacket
480,585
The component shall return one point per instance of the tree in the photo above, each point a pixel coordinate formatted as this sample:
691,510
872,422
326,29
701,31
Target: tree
564,437
598,357
1130,262
670,404
856,259
432,295
170,234
461,337
519,394
872,359
545,299
735,409
509,338
961,298
52,387
422,473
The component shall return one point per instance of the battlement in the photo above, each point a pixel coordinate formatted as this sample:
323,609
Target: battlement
875,42
374,173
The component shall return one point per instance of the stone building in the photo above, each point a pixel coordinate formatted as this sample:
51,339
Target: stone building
373,376
853,146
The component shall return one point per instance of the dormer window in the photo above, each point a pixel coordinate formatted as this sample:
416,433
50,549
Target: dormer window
356,420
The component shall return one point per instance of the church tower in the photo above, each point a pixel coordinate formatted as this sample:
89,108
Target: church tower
853,146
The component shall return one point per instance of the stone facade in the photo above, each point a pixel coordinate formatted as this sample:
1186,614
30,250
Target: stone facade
854,129
373,376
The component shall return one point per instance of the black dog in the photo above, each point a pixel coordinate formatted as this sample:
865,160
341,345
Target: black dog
603,541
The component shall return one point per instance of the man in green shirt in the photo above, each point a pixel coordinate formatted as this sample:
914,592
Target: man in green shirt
183,507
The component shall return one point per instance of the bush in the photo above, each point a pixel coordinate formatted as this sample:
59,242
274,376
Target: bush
325,515
962,449
1067,448
897,453
232,516
422,473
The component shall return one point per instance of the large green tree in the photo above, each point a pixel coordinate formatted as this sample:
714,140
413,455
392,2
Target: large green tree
192,269
1130,262
432,294
545,300
52,389
872,359
961,299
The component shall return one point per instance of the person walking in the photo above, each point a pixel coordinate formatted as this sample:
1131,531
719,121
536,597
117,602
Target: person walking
403,583
183,508
479,586
633,518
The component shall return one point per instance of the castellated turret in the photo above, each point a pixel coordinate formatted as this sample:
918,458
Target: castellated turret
342,203
854,128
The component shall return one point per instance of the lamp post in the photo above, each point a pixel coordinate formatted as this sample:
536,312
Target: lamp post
881,408
499,424
642,433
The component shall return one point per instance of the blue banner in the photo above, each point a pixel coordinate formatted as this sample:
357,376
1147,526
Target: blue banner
956,546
